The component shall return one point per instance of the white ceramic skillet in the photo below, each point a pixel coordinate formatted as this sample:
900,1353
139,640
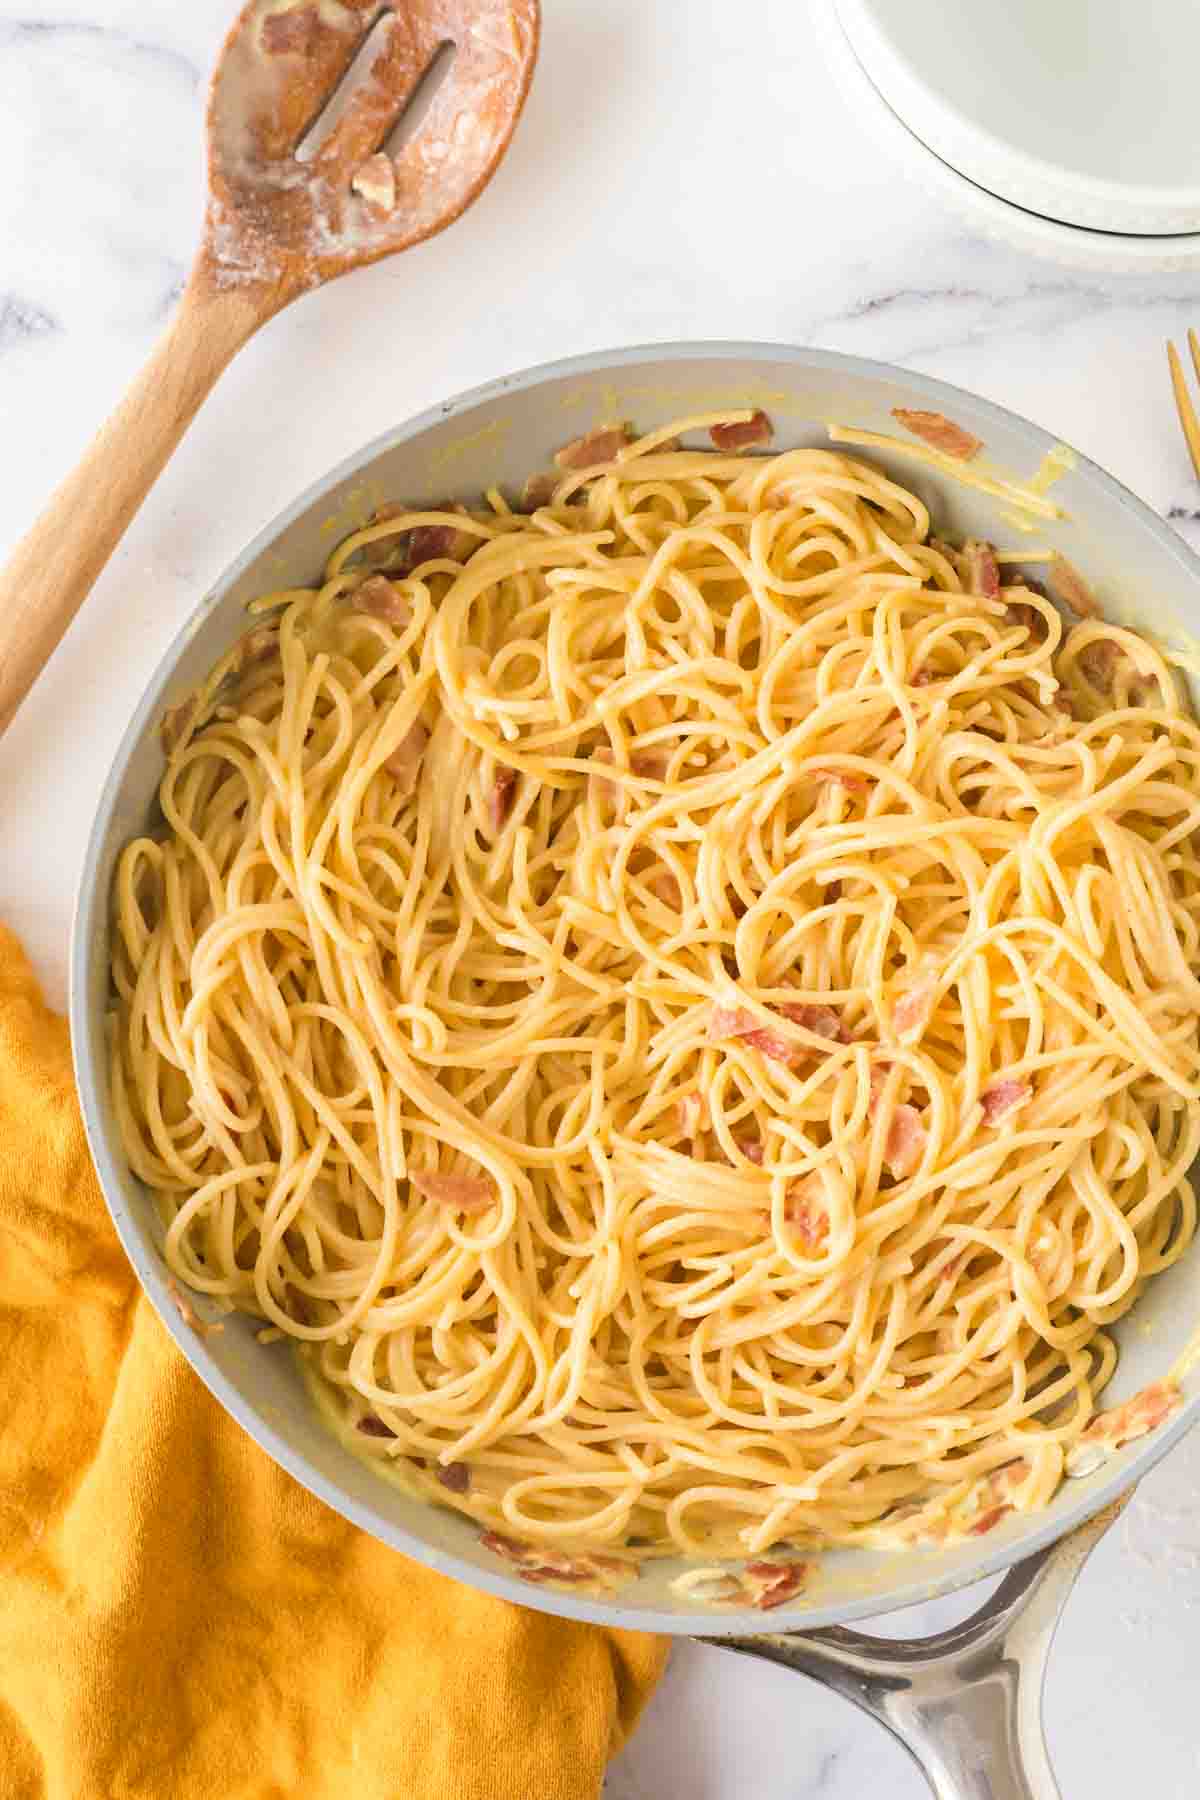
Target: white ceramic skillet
966,1704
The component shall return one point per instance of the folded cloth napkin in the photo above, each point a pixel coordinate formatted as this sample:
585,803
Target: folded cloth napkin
177,1617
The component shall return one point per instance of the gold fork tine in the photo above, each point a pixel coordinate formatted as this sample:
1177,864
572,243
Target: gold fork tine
1183,400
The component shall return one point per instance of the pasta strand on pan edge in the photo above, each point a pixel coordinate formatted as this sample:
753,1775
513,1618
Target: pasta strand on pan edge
683,1003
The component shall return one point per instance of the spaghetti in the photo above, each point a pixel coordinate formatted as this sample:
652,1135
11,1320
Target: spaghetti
683,1003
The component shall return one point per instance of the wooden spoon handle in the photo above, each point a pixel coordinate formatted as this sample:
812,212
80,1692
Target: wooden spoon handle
49,574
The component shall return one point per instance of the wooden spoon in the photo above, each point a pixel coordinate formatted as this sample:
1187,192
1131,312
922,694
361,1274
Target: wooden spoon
299,190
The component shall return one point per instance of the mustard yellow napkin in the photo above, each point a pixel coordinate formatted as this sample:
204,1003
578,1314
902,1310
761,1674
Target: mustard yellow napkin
177,1617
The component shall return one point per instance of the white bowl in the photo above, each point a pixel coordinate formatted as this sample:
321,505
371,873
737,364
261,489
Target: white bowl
1091,192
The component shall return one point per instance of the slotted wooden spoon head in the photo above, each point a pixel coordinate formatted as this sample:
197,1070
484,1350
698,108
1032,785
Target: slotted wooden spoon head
289,206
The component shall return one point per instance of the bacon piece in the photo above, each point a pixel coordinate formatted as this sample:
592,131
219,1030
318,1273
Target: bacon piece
439,543
383,600
595,447
751,1149
1072,589
983,571
295,32
504,791
822,1021
742,434
457,1193
665,887
988,1520
1099,661
375,182
769,1043
800,1209
771,1584
610,1565
535,1564
1004,1098
404,764
257,647
911,1012
408,550
879,1074
511,1549
1145,690
1020,612
579,1571
374,1427
645,764
456,1477
651,765
1146,1411
539,490
847,778
736,1022
939,432
693,1117
764,1585
921,676
906,1141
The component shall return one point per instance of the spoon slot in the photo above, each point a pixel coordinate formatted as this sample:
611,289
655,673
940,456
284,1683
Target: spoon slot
337,103
383,79
421,100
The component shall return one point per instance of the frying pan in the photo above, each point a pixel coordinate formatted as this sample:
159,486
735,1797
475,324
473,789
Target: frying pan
966,1702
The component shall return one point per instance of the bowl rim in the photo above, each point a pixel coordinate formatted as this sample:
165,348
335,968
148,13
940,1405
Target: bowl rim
90,921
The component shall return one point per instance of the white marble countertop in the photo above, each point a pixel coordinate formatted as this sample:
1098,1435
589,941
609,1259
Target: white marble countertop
685,170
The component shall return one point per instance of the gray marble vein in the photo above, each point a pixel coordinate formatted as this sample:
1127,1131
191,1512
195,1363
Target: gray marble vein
21,320
107,37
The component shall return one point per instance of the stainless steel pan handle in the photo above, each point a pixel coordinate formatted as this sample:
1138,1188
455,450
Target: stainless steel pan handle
965,1703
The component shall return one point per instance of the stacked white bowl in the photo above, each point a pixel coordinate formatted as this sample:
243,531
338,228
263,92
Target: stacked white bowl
1068,127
